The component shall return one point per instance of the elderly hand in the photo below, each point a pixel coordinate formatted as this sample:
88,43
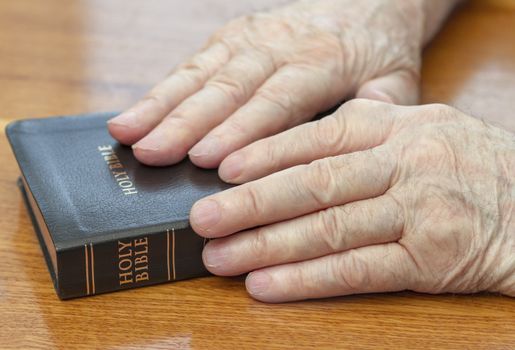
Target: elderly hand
376,198
264,73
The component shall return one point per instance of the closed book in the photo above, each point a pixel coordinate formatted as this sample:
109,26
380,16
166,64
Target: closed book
105,221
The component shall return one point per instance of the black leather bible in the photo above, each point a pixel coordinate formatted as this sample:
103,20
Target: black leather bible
105,221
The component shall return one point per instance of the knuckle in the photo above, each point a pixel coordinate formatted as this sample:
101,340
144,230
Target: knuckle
356,105
351,271
278,97
330,228
275,27
267,61
193,73
259,245
155,96
319,182
272,155
231,126
202,62
328,133
227,40
254,202
371,110
301,281
232,89
296,280
381,119
230,35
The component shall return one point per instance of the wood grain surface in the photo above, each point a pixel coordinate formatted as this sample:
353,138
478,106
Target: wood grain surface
64,57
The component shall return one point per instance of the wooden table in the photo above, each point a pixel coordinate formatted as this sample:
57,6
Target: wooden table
65,57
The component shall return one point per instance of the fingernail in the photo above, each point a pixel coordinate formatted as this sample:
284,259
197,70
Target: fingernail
215,255
151,142
232,167
205,214
208,145
127,119
258,282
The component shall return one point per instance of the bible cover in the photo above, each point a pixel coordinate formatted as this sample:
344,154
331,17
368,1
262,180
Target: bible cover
105,221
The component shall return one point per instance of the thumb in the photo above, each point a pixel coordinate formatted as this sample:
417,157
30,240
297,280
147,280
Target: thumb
400,87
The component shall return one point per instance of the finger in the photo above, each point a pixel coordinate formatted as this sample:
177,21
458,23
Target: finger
400,87
138,120
295,192
291,96
223,94
371,269
372,221
356,126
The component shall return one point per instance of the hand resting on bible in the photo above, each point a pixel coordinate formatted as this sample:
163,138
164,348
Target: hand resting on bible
373,198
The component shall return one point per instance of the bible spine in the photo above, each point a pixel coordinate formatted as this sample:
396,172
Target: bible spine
129,263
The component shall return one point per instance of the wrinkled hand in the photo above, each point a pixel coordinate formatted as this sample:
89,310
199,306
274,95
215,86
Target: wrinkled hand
264,73
376,198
